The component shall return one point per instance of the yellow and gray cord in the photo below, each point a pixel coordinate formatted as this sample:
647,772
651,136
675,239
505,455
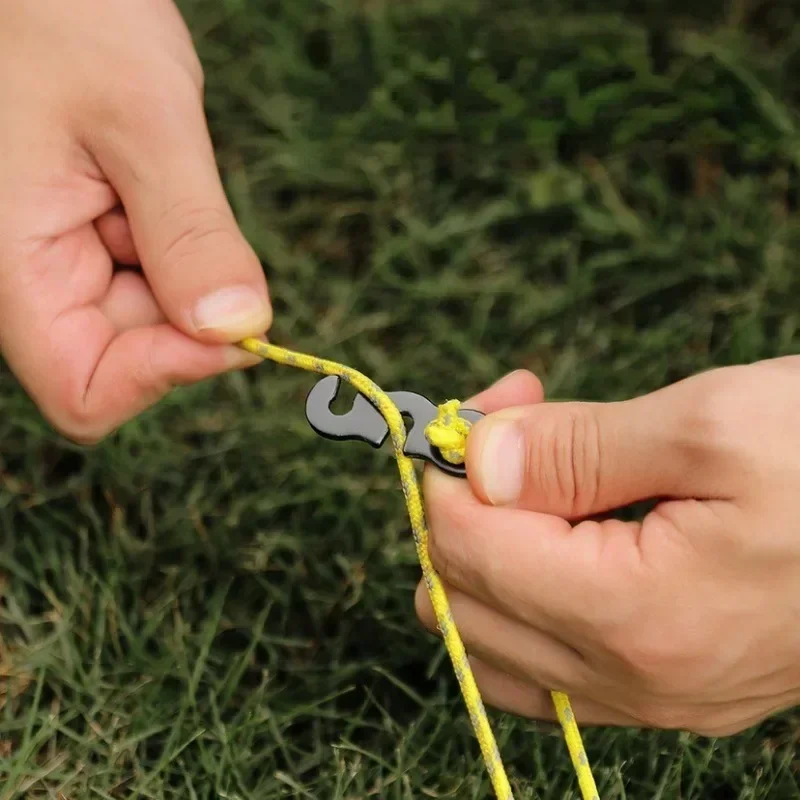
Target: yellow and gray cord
448,432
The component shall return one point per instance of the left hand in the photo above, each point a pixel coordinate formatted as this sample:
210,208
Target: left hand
123,271
687,620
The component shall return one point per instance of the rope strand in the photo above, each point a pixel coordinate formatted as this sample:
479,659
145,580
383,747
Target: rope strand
448,432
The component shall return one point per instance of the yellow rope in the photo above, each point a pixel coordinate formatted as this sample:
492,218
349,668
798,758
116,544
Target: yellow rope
448,432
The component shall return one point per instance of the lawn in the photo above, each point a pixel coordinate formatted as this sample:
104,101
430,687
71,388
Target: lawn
215,602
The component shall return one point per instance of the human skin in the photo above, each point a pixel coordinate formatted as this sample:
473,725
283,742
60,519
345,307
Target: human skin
688,619
106,161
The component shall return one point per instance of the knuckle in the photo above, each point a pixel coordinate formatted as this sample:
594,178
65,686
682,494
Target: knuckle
190,228
723,405
138,105
132,101
656,661
711,425
646,659
712,414
610,570
68,410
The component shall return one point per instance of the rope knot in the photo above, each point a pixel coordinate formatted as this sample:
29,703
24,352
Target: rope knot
448,432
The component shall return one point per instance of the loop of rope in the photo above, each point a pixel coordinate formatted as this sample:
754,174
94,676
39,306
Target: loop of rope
448,432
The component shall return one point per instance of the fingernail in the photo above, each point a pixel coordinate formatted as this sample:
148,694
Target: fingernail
501,462
236,312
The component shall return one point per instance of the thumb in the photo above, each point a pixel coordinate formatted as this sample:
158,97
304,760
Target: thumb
204,275
576,460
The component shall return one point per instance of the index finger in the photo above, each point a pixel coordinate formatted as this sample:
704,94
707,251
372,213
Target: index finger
568,581
520,387
86,376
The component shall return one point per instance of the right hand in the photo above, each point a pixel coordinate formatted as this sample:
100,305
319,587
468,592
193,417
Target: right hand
687,619
105,157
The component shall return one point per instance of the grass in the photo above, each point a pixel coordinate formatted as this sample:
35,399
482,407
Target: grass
216,603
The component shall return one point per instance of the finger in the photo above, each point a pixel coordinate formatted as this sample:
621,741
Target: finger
115,233
518,388
86,376
580,459
111,378
507,644
532,700
204,274
735,717
535,567
528,699
129,303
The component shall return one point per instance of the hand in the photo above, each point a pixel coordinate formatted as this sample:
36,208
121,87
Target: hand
687,620
105,157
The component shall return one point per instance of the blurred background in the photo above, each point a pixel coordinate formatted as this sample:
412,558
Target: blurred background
216,603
